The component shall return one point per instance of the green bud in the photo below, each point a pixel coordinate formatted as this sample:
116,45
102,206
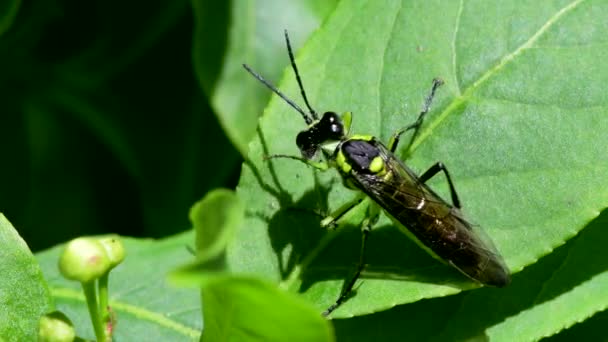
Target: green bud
114,249
84,260
55,327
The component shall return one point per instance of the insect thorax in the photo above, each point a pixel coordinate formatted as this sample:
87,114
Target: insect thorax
359,155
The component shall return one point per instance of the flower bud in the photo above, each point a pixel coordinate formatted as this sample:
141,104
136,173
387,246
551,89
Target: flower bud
114,249
84,259
55,327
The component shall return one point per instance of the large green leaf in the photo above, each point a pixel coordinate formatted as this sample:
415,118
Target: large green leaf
146,307
254,37
520,123
24,295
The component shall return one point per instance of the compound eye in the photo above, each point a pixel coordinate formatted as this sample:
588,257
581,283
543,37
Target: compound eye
307,144
333,125
336,128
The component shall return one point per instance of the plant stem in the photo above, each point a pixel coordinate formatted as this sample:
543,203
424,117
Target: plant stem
103,296
90,294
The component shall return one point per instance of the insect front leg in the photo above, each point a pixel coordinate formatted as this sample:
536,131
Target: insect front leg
366,227
321,166
435,169
394,142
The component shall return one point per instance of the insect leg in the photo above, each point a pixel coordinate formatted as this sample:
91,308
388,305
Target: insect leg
332,218
394,142
366,227
435,169
322,166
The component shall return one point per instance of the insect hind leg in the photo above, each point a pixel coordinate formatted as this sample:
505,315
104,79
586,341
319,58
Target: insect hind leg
394,142
366,227
435,169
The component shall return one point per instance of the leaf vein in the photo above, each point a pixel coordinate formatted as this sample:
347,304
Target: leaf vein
392,29
454,38
459,100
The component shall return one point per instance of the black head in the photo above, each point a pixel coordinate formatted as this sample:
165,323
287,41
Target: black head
329,128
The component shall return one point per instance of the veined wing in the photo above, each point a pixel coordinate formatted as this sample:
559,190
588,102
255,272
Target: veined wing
435,225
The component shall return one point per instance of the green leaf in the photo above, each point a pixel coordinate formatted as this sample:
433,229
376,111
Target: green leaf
24,295
520,123
586,331
576,291
240,308
247,309
564,288
253,37
505,314
215,220
144,304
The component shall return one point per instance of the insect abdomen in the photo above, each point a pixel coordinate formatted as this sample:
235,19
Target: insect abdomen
451,240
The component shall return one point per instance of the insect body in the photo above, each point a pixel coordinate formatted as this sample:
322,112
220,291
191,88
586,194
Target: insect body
372,168
437,226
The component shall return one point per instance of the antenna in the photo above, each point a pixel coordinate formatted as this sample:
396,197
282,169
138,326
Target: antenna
295,70
276,91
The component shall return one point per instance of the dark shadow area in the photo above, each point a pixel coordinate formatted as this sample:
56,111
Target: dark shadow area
417,321
295,225
583,261
390,254
589,330
106,129
295,228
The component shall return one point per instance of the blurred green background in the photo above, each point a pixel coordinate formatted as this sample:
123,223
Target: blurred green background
104,126
115,115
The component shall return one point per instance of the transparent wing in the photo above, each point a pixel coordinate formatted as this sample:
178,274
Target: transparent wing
436,225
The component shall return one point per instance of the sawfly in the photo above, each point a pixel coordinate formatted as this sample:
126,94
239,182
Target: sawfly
371,168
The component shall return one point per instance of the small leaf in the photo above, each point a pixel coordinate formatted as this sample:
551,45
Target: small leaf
247,309
215,220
